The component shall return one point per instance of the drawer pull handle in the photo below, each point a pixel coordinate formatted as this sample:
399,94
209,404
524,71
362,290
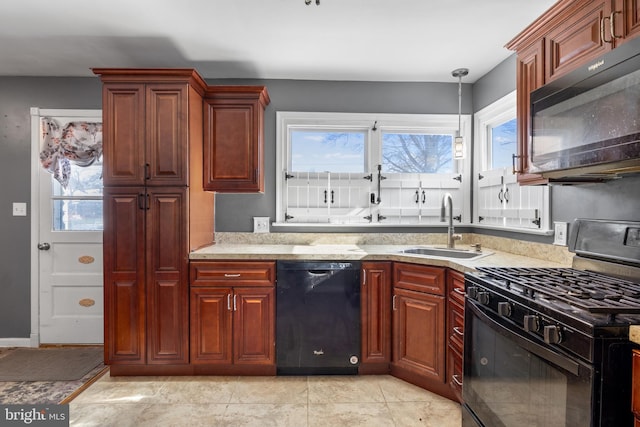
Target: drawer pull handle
232,275
459,291
456,380
458,331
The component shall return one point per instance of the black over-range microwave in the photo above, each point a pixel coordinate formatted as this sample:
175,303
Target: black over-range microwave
586,125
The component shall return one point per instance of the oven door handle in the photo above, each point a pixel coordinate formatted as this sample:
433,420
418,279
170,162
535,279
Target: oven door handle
540,351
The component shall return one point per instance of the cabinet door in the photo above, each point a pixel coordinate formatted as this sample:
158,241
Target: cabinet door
626,20
419,335
635,387
124,278
233,147
123,129
211,326
580,37
529,77
375,306
254,325
167,127
167,269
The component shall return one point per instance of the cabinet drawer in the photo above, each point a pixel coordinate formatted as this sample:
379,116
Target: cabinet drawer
454,371
456,287
456,326
419,278
232,273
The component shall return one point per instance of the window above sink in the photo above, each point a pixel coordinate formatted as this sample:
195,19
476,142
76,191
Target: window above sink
369,169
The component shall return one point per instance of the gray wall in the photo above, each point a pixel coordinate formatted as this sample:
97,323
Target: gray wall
17,95
615,200
235,212
495,84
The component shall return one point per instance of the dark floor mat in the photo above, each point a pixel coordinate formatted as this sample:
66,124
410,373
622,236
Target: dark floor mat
49,364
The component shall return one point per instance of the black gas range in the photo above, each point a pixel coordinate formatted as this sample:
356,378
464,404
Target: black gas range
549,346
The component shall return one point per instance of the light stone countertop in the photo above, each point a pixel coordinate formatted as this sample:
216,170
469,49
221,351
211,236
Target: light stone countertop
351,252
356,252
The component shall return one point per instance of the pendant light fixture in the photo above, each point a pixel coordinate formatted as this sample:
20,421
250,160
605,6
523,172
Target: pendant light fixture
458,142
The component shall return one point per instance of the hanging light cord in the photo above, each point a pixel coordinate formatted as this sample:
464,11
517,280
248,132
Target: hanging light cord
459,104
459,73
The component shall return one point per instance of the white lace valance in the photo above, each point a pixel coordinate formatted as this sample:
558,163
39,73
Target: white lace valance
77,142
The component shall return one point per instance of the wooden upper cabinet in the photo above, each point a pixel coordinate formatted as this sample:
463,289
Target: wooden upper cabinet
568,35
529,77
167,139
150,123
123,124
234,138
580,35
625,19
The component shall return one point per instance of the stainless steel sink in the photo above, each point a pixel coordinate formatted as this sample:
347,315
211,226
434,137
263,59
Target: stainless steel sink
446,253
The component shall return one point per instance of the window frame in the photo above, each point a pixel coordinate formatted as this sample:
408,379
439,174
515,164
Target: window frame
374,125
500,111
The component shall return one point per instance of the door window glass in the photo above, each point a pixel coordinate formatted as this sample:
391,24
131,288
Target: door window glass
79,206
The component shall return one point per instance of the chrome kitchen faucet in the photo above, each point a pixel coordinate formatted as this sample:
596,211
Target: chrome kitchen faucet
451,237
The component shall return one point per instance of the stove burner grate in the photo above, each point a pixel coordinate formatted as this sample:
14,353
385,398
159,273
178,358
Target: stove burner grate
586,290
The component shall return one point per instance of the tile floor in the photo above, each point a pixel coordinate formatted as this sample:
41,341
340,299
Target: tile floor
379,400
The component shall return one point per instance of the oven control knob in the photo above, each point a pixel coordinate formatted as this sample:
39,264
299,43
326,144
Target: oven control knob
531,323
504,309
552,334
483,298
472,291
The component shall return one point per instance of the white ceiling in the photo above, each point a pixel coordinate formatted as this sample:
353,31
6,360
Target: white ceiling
371,40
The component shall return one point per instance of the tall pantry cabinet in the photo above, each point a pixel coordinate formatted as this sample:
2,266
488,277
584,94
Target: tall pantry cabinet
153,144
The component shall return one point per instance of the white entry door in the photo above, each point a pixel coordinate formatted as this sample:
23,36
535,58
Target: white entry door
70,253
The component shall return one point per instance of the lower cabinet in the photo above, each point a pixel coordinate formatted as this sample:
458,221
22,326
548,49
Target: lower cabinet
233,317
375,310
455,331
419,338
635,388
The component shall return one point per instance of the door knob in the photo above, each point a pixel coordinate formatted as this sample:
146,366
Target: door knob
44,246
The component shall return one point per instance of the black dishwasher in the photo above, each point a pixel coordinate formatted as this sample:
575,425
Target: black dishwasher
317,317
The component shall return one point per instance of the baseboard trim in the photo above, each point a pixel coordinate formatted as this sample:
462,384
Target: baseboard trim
17,342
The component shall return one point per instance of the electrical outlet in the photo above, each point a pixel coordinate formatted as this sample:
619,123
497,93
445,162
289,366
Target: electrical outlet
560,233
260,224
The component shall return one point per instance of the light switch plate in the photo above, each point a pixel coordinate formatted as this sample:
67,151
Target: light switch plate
19,209
560,233
260,224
